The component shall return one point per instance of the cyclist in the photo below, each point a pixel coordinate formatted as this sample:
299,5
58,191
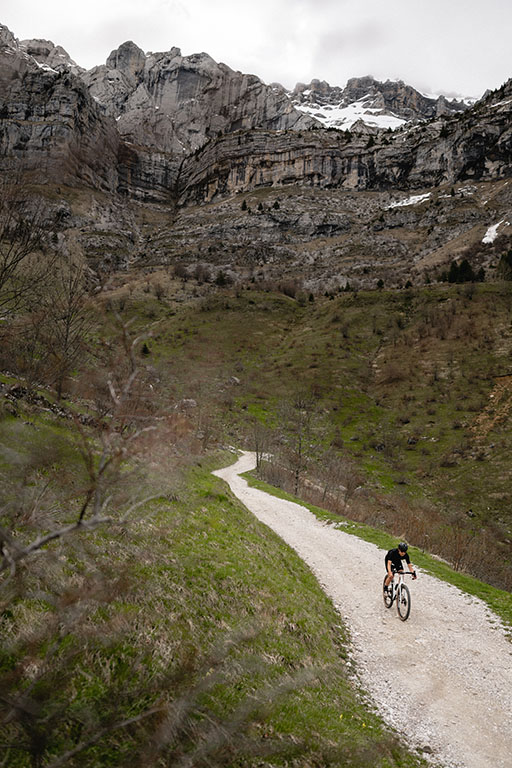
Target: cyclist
393,562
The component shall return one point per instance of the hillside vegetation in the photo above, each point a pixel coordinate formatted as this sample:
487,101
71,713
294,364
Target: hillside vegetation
184,634
146,617
410,391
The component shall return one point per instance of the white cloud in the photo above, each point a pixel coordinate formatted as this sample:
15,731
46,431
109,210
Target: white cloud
457,47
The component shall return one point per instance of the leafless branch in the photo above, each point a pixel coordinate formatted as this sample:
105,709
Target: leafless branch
103,732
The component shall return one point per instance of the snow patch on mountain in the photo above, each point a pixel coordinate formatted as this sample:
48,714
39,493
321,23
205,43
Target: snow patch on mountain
344,117
492,233
414,200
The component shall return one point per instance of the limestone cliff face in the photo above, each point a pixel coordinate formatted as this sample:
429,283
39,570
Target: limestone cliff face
185,131
167,105
49,124
400,98
393,97
477,146
169,128
49,55
175,103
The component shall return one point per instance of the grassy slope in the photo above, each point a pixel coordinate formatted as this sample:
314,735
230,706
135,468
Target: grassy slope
384,367
498,600
406,379
197,571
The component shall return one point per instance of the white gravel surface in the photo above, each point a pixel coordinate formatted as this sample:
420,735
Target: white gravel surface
443,678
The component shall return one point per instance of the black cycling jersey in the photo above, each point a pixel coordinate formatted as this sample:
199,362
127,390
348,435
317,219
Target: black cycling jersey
396,559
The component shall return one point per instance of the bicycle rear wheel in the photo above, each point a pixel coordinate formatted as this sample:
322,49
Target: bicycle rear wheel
403,602
388,600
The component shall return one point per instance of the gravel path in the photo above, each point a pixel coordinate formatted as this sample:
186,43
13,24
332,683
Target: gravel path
443,678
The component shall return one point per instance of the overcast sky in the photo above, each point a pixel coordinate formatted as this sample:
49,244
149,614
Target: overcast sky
438,46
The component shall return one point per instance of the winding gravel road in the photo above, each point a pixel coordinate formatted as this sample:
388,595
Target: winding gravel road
442,679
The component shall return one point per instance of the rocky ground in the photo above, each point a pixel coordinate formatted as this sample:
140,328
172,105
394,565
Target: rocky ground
327,238
442,679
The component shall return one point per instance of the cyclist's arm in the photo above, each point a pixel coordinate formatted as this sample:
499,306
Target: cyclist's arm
411,568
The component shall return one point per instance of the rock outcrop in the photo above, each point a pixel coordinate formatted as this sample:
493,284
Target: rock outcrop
176,103
49,123
167,105
46,54
169,128
363,98
475,145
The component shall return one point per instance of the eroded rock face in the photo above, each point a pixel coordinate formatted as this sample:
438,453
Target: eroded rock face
49,55
168,106
170,128
49,123
476,146
391,97
176,103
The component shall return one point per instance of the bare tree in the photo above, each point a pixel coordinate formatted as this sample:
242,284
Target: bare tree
25,256
297,423
22,348
117,435
46,343
328,469
261,440
67,319
43,508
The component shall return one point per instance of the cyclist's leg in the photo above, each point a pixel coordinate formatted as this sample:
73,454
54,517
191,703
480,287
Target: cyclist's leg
389,575
387,595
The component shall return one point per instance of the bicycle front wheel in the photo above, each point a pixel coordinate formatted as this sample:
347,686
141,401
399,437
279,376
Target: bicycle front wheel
403,602
388,600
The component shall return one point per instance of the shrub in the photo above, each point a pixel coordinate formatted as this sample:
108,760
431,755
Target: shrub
505,266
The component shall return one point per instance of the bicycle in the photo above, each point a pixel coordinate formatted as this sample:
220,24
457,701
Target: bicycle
400,593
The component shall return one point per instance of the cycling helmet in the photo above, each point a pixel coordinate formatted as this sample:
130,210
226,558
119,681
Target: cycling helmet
403,547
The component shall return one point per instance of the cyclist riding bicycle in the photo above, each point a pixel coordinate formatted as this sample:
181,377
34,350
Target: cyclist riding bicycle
394,563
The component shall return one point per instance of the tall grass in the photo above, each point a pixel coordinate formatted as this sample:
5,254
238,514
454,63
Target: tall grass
190,636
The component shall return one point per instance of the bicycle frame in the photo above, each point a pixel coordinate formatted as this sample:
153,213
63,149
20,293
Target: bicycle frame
396,585
400,593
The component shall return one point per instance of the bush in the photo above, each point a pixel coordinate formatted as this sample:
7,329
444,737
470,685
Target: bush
180,271
505,266
463,273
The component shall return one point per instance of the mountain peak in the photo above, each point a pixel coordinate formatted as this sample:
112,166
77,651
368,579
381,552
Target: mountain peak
128,58
388,104
7,39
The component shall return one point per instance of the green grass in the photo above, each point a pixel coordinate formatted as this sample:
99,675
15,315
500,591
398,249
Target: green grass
498,600
206,596
199,572
410,370
238,574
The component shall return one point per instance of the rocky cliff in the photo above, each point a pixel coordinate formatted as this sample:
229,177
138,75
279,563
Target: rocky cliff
175,103
49,123
48,55
168,128
158,152
476,144
167,105
383,105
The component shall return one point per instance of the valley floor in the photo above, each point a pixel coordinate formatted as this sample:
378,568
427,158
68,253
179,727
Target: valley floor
443,678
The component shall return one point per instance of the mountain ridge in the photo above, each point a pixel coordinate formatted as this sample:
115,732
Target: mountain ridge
156,113
383,105
178,133
317,94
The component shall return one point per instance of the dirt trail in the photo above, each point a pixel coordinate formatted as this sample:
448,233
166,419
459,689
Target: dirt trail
443,678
